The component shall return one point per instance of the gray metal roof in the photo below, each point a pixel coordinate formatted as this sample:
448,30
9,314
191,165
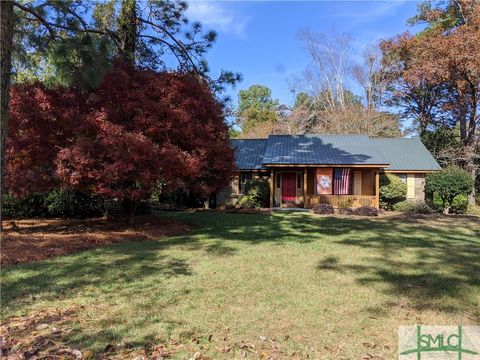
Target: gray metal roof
321,149
249,153
406,154
397,153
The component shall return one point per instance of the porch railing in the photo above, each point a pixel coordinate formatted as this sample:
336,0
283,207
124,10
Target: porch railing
357,200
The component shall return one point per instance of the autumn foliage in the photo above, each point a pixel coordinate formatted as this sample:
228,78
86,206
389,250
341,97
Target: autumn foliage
42,121
140,131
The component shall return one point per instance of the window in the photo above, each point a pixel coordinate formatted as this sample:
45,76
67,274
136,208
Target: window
278,181
299,180
244,177
402,177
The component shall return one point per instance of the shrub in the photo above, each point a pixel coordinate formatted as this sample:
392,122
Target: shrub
260,190
346,211
72,204
65,204
323,209
111,208
143,208
345,203
248,201
392,191
31,206
473,210
459,204
447,184
413,206
366,211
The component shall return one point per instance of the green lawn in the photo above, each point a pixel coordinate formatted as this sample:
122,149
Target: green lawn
284,284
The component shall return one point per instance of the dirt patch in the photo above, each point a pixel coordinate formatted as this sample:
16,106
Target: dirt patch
37,239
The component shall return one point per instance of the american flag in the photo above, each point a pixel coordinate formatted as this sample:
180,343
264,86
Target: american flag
341,182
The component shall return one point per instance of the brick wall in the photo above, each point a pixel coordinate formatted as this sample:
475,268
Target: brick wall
419,186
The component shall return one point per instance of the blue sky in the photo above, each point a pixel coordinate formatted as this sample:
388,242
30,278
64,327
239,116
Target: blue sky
259,39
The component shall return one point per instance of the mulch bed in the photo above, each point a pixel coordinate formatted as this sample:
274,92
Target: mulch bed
30,240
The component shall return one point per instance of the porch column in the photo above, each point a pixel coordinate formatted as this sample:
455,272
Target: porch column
377,189
305,187
271,182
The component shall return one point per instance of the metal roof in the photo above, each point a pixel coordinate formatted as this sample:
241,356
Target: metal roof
406,154
321,150
249,153
395,153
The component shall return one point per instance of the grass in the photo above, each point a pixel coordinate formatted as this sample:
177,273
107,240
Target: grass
293,284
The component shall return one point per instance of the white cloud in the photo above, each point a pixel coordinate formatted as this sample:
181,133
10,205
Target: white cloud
218,17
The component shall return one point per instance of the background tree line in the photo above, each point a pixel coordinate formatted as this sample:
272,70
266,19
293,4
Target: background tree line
425,84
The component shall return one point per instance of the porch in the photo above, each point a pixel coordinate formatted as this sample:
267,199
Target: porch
299,187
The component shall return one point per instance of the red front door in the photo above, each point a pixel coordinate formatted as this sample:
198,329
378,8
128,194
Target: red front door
288,187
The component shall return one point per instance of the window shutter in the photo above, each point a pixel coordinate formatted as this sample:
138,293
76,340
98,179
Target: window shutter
410,186
357,182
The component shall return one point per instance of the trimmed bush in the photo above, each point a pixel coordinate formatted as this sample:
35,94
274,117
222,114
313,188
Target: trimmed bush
257,195
260,190
392,191
323,209
448,184
366,211
459,204
248,201
413,206
346,211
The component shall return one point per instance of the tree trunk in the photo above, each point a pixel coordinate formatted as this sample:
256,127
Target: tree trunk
471,197
206,203
446,209
6,29
129,207
128,32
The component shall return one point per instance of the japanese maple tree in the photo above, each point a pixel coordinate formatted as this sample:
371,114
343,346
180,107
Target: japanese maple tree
145,130
42,122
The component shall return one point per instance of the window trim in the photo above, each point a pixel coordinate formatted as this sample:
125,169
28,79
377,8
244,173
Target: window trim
278,182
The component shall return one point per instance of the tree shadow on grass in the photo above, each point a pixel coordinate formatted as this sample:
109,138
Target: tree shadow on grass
435,268
415,259
112,267
434,261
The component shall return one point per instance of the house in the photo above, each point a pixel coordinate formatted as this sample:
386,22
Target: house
304,170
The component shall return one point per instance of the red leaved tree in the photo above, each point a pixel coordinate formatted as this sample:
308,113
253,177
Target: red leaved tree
146,130
42,122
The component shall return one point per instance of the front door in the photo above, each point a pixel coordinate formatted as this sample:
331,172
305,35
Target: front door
288,188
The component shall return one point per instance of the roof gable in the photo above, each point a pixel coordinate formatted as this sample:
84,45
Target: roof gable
406,154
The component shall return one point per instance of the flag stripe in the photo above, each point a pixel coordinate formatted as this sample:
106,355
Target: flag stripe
341,185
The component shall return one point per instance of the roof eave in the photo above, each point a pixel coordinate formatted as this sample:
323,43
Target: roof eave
327,165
